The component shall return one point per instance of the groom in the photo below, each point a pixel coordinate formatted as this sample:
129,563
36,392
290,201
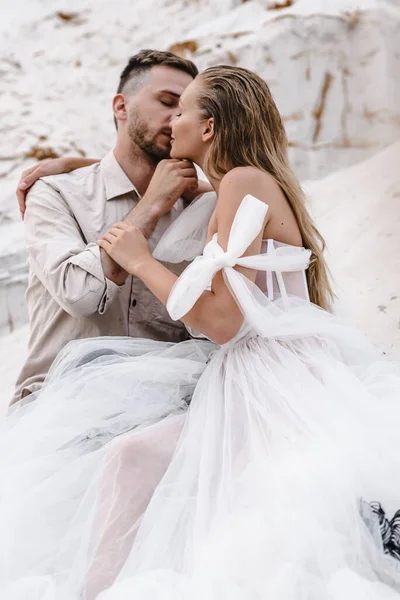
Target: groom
75,290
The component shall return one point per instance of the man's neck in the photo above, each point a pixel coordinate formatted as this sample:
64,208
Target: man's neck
136,165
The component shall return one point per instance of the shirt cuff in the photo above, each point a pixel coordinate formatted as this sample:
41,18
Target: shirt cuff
90,261
111,290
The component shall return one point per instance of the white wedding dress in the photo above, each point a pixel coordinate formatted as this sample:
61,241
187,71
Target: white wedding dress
155,471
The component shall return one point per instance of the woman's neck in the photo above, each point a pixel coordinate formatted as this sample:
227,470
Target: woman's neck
215,183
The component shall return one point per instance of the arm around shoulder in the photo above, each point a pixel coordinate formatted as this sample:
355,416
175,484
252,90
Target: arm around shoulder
69,268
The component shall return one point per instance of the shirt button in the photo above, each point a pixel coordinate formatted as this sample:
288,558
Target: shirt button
134,302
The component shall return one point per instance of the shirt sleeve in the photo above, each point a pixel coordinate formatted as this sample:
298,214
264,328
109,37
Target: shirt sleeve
70,269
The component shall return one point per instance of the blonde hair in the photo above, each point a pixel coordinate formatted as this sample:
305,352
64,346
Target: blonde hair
249,132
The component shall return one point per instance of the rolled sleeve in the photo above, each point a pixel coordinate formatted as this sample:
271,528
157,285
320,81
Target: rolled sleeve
89,261
69,268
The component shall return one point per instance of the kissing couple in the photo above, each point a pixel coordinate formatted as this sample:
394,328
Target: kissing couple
192,422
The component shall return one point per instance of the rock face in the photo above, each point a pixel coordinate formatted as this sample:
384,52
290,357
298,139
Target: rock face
328,66
13,277
358,211
332,65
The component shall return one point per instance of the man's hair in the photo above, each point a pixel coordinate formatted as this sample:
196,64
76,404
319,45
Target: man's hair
144,60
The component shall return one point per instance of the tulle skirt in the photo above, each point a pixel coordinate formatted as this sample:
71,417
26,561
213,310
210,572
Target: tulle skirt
151,471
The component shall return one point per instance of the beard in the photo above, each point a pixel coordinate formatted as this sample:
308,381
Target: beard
143,137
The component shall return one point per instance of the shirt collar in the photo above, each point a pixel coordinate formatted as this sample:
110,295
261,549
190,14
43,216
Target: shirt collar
116,181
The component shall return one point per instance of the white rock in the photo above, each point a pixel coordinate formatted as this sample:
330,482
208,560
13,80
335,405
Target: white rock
333,67
358,211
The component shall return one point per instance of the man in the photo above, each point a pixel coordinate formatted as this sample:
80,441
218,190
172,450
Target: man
75,290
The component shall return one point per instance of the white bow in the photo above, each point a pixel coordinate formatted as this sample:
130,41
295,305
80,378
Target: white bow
247,224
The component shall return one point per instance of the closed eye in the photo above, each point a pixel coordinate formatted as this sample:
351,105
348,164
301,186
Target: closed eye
169,104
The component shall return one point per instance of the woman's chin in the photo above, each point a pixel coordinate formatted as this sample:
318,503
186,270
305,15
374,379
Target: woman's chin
174,153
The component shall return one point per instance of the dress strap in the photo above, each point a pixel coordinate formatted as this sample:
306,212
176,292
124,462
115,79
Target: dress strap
269,277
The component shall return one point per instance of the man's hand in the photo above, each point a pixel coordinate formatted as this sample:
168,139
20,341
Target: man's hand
171,178
202,188
51,166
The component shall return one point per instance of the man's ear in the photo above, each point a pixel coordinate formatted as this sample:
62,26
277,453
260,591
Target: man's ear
208,130
119,106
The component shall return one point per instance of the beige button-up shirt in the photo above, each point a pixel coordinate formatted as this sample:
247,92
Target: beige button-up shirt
68,296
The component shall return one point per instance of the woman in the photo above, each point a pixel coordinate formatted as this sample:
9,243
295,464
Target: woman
247,473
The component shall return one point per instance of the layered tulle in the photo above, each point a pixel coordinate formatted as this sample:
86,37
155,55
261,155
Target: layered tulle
195,472
54,452
262,499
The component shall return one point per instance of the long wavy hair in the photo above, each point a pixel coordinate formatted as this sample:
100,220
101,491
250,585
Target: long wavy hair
249,132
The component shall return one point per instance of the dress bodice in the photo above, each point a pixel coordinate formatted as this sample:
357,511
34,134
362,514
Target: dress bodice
295,282
280,274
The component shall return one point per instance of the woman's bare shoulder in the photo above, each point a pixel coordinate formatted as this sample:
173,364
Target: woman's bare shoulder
249,180
281,223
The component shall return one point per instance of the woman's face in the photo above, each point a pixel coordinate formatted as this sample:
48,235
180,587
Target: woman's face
188,126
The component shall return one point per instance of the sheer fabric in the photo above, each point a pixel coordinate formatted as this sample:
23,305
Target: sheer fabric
156,471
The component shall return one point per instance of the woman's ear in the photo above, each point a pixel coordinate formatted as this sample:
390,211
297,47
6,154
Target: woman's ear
119,107
208,130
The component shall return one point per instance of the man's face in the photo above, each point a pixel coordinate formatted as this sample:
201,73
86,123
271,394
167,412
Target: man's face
150,111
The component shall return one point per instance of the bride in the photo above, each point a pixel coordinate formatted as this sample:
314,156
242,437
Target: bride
255,461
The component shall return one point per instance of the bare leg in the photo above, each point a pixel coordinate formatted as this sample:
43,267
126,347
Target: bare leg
135,465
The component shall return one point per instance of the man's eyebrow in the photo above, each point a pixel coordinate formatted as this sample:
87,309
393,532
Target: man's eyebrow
170,93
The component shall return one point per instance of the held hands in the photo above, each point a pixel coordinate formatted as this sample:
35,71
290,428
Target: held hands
127,246
125,243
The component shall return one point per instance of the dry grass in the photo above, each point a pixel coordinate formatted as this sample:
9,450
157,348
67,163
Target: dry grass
280,5
352,18
181,48
319,110
41,153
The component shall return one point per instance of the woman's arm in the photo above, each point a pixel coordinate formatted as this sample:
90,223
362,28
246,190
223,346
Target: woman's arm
216,313
53,166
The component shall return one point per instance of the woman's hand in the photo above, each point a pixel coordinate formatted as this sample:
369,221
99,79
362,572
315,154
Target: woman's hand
127,246
51,166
